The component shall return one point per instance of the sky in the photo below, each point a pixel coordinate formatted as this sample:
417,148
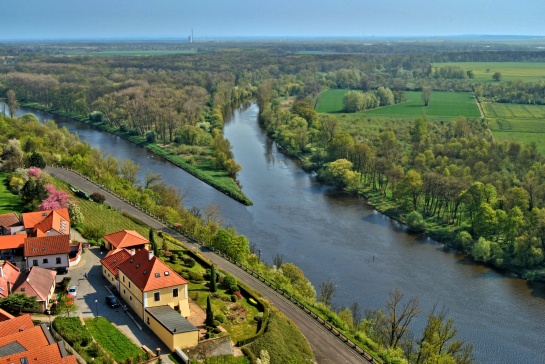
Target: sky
138,19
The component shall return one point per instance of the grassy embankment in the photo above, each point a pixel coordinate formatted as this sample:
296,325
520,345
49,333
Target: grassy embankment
443,106
113,341
8,201
197,167
510,71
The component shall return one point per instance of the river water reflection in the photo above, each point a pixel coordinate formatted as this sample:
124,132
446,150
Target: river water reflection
334,236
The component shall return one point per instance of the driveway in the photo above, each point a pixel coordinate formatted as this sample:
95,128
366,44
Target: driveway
91,301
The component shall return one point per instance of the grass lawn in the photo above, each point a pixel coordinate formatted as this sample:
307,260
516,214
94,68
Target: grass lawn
8,201
510,71
522,123
443,105
112,340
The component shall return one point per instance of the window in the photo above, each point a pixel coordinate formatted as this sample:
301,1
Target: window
157,275
124,291
167,273
130,298
175,292
58,260
129,284
148,320
45,261
123,279
35,262
157,296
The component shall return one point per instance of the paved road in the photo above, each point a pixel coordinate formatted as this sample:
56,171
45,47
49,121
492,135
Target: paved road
327,347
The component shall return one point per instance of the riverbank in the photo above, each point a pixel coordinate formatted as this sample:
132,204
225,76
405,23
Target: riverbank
214,178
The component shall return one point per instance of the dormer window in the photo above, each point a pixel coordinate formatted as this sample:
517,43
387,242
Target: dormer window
145,271
138,266
157,275
115,260
167,272
132,260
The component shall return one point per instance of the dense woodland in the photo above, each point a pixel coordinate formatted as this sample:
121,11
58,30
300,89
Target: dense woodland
451,179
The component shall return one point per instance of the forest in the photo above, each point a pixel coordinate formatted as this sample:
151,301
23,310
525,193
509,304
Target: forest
451,179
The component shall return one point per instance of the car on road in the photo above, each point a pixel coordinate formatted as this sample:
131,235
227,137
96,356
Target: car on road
112,301
73,290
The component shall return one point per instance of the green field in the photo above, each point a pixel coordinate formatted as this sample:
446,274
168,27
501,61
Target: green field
510,71
443,105
522,123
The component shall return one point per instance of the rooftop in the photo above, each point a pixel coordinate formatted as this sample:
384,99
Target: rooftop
171,319
126,239
47,245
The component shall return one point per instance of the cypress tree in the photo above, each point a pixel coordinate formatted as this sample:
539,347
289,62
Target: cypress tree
153,243
209,321
213,284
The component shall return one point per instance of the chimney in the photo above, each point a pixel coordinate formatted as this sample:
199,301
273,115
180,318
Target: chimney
132,251
150,254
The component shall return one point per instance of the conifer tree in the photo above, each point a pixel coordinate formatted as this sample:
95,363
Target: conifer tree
213,284
209,321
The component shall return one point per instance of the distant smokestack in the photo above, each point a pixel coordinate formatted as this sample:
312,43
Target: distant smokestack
150,255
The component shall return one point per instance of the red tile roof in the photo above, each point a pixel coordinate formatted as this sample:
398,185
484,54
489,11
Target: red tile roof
12,241
29,338
4,316
15,324
37,282
43,221
8,276
112,262
126,239
50,354
47,245
149,274
9,219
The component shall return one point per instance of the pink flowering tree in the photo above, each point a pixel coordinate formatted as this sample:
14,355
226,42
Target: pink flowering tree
55,200
35,172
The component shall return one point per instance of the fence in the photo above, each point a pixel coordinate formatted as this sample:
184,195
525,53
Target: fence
194,240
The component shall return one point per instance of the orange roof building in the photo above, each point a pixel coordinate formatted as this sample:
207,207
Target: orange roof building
111,263
8,276
38,282
15,325
145,281
126,239
48,222
4,315
48,251
10,242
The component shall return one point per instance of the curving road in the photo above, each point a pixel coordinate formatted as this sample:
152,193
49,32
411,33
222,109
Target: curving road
327,347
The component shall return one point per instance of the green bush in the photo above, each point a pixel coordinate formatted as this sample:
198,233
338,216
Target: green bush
220,318
174,259
233,298
416,222
71,329
194,276
190,262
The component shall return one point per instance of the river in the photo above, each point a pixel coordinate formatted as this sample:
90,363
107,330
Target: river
337,237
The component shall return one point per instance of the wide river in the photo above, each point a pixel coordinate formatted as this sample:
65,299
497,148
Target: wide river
337,237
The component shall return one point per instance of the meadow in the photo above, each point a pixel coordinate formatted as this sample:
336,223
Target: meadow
443,105
522,123
510,71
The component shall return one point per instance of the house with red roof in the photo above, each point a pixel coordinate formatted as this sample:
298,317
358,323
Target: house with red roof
159,296
22,342
47,222
8,222
11,245
48,251
38,282
8,276
128,239
111,263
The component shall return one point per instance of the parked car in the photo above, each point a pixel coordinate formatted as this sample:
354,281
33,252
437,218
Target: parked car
73,290
61,270
112,301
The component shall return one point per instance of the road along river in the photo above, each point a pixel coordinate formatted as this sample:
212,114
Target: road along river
334,236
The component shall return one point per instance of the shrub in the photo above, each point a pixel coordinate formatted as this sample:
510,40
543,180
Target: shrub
71,329
63,285
151,136
174,259
220,318
190,262
416,222
233,298
98,197
194,276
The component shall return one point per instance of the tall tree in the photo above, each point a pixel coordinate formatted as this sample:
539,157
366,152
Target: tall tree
213,283
153,242
209,321
13,106
426,95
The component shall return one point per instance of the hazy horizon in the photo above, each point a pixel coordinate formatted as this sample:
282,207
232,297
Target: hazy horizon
240,19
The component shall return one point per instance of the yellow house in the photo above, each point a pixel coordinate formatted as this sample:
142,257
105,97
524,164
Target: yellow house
156,293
